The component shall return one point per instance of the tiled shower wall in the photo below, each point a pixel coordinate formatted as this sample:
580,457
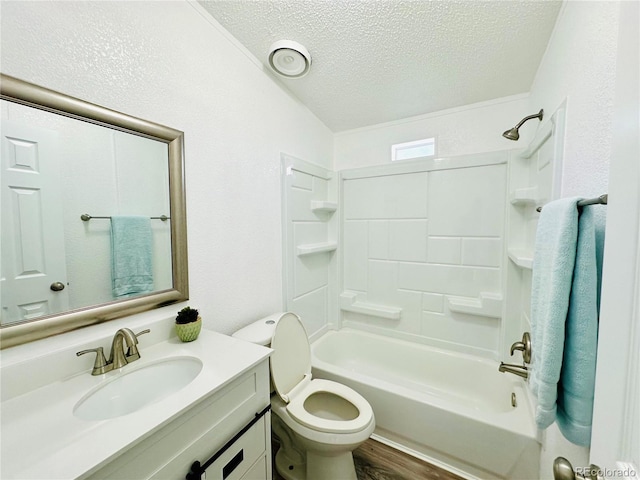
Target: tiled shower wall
422,252
309,239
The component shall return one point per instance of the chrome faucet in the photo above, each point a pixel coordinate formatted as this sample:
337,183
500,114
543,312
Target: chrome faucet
118,357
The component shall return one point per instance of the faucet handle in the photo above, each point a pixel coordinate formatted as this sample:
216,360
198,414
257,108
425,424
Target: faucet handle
524,346
100,365
132,352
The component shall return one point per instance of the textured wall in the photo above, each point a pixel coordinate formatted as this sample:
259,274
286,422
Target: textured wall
459,131
169,63
579,65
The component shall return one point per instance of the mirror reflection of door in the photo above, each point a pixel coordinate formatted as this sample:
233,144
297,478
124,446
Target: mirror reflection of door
33,272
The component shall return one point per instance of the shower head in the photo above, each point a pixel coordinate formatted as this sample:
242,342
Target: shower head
513,134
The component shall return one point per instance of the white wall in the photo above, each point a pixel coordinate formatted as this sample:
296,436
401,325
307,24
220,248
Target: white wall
579,65
168,63
471,129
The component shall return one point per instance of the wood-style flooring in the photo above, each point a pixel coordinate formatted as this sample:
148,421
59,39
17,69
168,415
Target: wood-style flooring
377,461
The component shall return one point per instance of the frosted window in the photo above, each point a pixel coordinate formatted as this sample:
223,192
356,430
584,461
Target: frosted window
411,150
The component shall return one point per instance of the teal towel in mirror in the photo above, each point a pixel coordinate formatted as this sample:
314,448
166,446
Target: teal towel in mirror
131,255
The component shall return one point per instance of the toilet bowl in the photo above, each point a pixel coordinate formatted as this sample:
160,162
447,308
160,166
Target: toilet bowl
318,422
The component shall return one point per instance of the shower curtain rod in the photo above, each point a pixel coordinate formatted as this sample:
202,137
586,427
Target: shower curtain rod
601,200
85,217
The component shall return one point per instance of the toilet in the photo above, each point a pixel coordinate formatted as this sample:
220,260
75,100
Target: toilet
318,422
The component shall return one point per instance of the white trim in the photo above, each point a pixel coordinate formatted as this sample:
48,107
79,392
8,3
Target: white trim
225,33
305,167
616,431
415,166
439,113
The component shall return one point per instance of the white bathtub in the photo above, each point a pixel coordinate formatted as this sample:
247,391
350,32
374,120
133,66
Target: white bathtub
451,409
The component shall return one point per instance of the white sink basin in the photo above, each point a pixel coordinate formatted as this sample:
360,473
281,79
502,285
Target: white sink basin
138,388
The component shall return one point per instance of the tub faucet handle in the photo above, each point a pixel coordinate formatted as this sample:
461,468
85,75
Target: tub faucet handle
524,346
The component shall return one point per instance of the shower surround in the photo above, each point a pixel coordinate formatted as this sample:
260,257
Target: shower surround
409,262
422,251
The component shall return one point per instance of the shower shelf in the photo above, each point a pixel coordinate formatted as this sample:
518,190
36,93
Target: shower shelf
486,305
323,206
523,258
524,196
350,303
312,248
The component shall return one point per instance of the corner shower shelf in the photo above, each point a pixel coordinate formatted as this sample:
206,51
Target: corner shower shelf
312,248
323,206
350,303
523,258
524,196
486,305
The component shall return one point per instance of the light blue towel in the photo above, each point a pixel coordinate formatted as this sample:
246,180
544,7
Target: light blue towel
553,262
577,378
131,256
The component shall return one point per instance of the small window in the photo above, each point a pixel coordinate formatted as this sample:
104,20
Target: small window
411,150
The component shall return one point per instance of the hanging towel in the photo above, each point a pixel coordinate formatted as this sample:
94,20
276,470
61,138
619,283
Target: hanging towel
578,374
131,256
553,262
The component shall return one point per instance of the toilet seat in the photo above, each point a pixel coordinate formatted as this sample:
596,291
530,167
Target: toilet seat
297,410
291,374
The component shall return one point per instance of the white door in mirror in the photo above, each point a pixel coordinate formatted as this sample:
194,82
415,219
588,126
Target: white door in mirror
33,253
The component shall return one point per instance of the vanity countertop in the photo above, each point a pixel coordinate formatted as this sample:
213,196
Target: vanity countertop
41,437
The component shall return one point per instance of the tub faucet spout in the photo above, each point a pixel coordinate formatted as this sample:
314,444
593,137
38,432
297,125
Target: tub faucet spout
520,370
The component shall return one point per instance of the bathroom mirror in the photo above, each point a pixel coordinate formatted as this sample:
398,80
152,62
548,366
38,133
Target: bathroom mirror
77,179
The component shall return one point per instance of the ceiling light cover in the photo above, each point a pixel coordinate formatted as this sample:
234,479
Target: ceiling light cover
289,59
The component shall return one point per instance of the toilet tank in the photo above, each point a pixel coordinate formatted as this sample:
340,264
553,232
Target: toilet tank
261,331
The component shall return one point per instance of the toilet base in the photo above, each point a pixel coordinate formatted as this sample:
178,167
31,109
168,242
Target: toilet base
317,467
322,467
290,469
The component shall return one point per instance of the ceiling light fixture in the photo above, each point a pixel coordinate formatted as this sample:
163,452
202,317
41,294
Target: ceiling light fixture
289,59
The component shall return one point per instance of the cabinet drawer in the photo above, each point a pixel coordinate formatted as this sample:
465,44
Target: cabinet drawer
259,470
233,463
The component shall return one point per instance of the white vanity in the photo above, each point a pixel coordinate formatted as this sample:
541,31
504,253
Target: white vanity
56,425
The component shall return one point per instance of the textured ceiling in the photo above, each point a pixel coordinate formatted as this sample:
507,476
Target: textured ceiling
375,61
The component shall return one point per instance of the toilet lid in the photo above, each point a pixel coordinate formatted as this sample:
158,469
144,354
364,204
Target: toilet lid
291,357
